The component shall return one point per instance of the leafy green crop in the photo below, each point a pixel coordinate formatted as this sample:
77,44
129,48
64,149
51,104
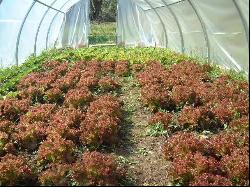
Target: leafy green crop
9,77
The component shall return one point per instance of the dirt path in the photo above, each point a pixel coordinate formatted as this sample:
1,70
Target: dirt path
141,155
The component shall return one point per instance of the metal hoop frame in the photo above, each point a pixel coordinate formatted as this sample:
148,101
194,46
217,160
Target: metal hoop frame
177,23
203,25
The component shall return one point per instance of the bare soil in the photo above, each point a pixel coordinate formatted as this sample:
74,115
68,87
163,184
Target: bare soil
140,155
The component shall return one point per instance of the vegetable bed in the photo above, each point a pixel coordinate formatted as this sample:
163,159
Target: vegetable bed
206,122
72,117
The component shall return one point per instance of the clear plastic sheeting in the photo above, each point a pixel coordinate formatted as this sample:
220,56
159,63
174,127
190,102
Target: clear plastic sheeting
75,28
30,26
215,30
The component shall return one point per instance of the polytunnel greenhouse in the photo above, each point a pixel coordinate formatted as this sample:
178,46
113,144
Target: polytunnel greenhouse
124,92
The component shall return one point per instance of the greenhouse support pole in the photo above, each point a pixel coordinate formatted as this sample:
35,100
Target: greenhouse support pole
177,2
49,6
244,22
50,25
178,25
117,17
159,17
89,24
1,1
203,28
21,28
39,26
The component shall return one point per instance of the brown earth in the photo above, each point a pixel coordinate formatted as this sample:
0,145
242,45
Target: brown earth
140,155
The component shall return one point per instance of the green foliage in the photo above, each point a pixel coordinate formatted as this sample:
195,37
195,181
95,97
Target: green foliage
102,39
241,76
9,77
156,130
103,10
103,28
218,70
102,33
109,10
143,151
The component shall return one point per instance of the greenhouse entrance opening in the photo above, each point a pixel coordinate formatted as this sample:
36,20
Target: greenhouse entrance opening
103,22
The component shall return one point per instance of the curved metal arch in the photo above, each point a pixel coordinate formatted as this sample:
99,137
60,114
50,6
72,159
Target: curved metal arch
244,22
57,38
50,25
159,17
177,2
203,28
178,25
39,26
49,6
20,30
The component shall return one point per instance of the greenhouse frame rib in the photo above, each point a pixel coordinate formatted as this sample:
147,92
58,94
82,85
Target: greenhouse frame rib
50,25
165,5
38,29
24,20
205,33
178,25
159,17
244,22
49,6
57,38
203,25
20,31
177,19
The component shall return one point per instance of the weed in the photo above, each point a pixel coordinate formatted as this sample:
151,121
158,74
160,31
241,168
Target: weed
156,130
143,151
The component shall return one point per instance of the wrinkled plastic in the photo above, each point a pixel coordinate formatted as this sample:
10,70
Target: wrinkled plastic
75,28
42,28
216,30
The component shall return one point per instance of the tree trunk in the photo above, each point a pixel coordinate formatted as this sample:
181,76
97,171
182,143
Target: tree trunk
97,8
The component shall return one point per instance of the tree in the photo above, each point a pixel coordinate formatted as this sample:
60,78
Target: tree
103,10
96,7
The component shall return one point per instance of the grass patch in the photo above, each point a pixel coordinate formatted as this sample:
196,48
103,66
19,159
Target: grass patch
102,39
108,28
102,33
